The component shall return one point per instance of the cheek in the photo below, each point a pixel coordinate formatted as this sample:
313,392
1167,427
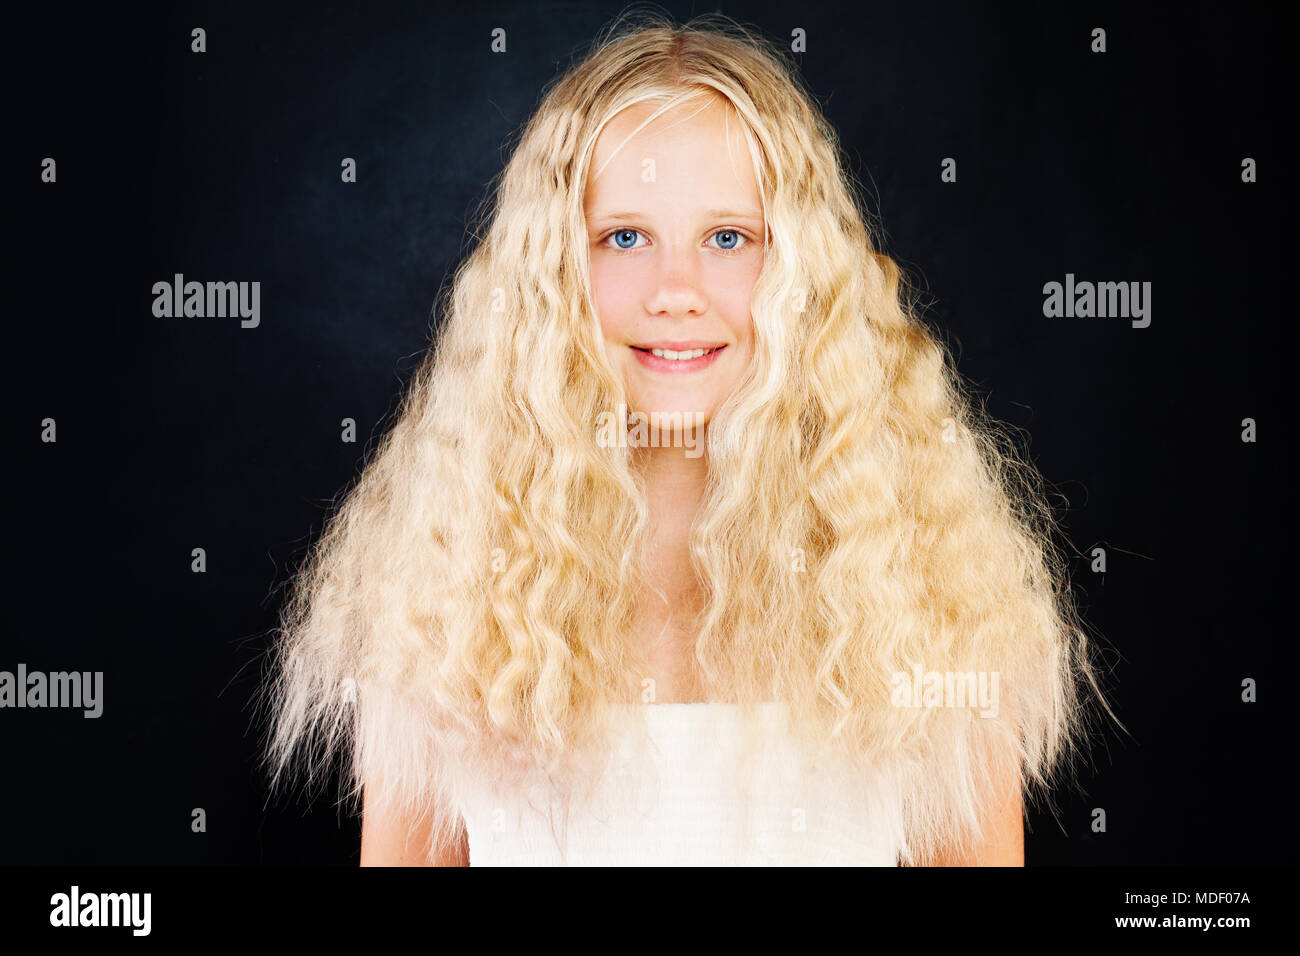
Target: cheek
609,291
734,300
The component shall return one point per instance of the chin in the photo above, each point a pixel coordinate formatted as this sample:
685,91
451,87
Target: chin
688,411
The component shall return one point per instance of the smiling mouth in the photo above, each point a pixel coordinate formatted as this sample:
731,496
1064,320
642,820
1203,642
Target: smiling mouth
683,355
671,360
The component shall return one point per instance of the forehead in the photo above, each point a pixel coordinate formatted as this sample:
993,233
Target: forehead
694,152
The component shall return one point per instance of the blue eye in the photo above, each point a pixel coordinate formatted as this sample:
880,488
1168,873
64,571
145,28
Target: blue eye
629,234
728,239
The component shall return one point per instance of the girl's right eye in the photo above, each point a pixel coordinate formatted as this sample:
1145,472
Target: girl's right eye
623,238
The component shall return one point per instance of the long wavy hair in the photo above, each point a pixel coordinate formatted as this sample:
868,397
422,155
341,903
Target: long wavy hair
466,612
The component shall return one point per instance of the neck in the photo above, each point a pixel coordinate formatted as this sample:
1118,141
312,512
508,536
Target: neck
674,486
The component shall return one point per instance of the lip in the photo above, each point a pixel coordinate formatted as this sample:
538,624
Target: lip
680,345
656,364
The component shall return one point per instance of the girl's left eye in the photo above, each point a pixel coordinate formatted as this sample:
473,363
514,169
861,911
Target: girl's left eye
729,240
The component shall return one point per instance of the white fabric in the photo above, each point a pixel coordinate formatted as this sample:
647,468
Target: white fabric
678,803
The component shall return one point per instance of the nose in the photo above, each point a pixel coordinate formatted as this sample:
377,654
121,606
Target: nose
677,290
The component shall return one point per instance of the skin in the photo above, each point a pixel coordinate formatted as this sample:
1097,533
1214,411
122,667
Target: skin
1004,828
684,276
389,838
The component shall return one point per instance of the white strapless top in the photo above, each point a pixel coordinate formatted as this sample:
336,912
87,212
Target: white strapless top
681,804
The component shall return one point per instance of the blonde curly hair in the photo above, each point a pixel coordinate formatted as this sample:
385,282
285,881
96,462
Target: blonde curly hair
465,613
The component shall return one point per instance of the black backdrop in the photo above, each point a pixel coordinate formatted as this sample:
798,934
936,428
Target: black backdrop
182,433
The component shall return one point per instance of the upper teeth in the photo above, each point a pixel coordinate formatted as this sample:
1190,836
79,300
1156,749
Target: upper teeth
680,356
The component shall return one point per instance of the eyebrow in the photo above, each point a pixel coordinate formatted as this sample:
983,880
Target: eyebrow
709,213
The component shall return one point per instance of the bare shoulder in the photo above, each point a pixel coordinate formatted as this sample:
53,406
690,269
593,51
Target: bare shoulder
1004,834
391,838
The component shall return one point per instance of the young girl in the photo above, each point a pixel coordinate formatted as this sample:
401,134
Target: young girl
688,545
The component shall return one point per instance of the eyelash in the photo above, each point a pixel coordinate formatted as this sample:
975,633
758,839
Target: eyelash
726,252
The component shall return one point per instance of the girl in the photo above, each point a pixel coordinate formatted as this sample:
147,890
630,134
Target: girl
687,545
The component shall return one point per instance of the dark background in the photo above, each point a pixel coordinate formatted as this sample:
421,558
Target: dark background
183,433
